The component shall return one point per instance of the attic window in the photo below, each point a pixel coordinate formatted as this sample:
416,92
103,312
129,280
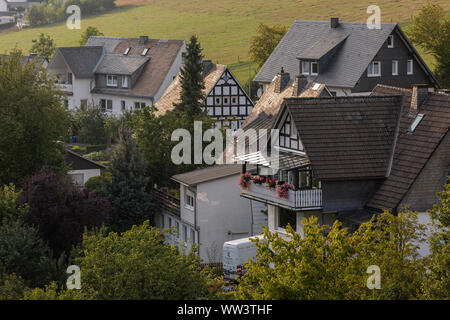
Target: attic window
390,41
145,51
127,50
305,67
374,69
416,122
314,68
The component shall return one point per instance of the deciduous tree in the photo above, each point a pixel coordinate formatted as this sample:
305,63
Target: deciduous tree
265,41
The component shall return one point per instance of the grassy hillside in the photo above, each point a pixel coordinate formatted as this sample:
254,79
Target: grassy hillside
223,27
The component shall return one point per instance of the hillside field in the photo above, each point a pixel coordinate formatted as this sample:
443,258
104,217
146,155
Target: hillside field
223,27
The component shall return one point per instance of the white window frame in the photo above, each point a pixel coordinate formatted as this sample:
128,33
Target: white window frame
395,72
109,105
370,69
113,82
145,52
308,65
124,82
311,69
412,67
127,50
189,200
391,37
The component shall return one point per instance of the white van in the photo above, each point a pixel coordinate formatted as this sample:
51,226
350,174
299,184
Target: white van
236,254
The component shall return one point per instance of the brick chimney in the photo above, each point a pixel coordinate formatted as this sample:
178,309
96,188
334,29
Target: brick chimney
334,22
300,83
281,81
207,66
143,39
419,95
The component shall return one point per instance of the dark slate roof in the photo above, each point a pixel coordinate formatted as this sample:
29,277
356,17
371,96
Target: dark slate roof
194,177
121,64
323,46
76,161
347,137
82,60
25,60
347,65
413,150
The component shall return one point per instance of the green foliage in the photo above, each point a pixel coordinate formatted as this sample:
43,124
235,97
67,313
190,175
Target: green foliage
431,31
33,120
138,265
44,46
10,209
89,32
333,265
127,192
91,126
192,83
98,184
12,287
265,41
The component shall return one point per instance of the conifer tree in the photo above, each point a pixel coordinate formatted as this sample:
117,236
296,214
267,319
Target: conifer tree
192,82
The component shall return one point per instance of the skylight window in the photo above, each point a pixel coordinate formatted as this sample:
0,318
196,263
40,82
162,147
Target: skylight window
416,122
127,50
145,51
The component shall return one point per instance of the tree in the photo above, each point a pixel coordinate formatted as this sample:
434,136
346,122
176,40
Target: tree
437,284
33,120
89,32
127,191
332,265
44,46
265,41
61,210
431,30
192,97
92,125
10,209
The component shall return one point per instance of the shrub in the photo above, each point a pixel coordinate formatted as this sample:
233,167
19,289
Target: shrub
10,209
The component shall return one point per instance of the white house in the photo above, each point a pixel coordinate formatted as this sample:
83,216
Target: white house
82,169
12,5
211,211
117,74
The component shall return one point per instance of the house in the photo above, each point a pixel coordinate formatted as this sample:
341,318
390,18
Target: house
351,157
39,62
226,102
210,211
348,57
15,5
81,169
117,74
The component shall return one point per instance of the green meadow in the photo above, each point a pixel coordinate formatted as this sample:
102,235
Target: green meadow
223,27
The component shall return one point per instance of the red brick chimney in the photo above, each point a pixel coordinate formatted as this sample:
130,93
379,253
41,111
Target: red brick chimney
281,81
418,97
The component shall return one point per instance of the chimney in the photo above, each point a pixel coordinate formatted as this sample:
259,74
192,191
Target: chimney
207,66
143,39
281,81
334,23
300,83
419,95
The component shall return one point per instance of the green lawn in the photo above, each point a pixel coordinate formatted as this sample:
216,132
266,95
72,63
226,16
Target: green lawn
223,27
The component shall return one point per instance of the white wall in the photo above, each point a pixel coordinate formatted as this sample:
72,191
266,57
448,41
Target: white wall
117,102
87,174
81,90
222,215
3,6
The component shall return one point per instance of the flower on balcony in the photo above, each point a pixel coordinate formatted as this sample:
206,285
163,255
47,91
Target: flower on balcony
271,183
283,190
258,180
245,179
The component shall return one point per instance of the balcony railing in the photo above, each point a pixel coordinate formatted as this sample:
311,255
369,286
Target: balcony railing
65,87
304,199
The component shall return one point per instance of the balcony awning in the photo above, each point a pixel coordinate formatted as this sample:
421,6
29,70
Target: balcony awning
282,160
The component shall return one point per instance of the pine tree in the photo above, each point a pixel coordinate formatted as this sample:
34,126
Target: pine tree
128,193
192,82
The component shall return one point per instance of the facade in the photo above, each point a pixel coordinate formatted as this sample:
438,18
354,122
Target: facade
82,169
117,74
226,102
352,157
210,211
347,57
13,5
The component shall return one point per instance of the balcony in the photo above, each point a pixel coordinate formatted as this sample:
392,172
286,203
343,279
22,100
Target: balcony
65,87
303,199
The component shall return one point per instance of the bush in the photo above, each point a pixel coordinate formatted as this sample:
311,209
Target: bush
95,148
12,287
98,185
10,209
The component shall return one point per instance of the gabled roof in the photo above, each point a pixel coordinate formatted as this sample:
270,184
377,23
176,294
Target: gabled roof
311,38
194,177
121,64
81,60
347,137
323,46
25,60
173,92
77,162
413,150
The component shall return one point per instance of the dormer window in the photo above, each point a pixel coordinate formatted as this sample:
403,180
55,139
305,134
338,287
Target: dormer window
390,41
127,50
374,69
305,67
111,81
314,68
310,68
145,52
124,82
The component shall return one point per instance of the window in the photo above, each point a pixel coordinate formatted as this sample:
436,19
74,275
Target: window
177,227
111,81
192,235
390,41
170,223
288,135
225,101
124,82
123,105
127,50
189,200
185,233
409,67
106,105
374,69
416,122
394,67
314,68
139,105
234,100
305,67
69,78
83,104
218,101
285,218
145,52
